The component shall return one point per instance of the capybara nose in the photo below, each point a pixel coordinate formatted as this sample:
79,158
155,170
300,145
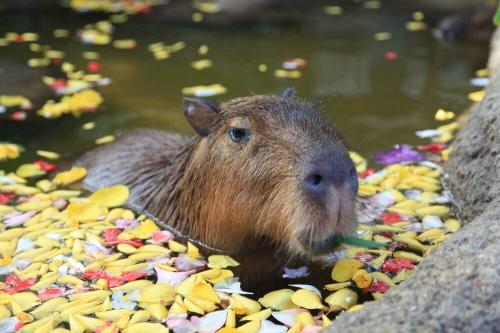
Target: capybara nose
335,169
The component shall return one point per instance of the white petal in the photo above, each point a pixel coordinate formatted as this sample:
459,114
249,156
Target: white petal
287,317
308,287
267,326
211,322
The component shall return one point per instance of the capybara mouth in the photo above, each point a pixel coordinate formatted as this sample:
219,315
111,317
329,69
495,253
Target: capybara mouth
338,219
323,246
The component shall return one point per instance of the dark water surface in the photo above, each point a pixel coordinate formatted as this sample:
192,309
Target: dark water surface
375,102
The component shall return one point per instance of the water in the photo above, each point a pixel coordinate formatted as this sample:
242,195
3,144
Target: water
375,102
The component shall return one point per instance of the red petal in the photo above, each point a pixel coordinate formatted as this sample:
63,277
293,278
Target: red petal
378,286
396,265
432,147
115,281
390,218
132,276
93,66
366,173
51,293
95,274
45,166
5,198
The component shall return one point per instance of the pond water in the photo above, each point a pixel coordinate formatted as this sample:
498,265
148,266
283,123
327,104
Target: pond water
374,101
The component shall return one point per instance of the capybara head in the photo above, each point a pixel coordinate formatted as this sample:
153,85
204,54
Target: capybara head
269,169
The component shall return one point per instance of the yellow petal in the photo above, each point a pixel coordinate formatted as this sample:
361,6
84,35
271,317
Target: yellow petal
85,212
105,139
48,154
362,278
337,286
74,325
48,327
221,261
71,176
157,293
146,328
29,170
278,300
230,320
139,317
34,205
345,268
111,196
342,299
176,246
158,311
244,305
192,251
26,300
452,225
355,308
48,307
250,327
382,277
113,315
261,315
306,299
4,312
326,321
144,230
305,318
90,323
205,291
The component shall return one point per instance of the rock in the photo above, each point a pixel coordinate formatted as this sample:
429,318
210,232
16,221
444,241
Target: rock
456,288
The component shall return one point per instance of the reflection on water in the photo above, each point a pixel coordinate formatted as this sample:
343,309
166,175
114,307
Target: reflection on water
374,101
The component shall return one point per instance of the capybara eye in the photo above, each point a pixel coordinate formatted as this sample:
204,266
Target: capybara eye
238,134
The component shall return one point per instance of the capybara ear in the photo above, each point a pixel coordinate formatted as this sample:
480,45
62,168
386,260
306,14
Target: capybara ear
289,92
201,114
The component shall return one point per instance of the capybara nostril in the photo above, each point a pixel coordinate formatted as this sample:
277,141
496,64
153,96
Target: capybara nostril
316,184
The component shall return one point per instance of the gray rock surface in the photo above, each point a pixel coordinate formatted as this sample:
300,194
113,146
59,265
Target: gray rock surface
457,287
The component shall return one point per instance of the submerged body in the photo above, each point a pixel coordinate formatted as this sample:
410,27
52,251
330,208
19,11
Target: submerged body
266,179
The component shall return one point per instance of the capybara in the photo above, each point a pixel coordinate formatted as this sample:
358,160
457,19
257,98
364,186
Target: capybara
266,178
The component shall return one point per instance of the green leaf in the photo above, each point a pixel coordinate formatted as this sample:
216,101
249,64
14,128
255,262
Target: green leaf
356,241
496,18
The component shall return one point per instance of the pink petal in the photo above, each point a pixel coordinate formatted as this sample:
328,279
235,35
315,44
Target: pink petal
311,329
185,263
161,236
171,278
19,219
181,325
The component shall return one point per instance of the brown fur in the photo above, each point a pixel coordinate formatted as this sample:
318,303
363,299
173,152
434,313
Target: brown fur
245,199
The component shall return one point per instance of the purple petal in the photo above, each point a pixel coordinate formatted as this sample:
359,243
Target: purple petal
124,223
294,273
401,153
